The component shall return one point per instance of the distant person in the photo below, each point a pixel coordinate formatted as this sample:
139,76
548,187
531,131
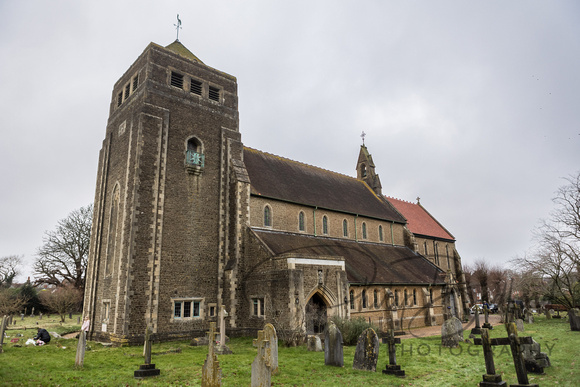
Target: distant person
42,337
86,324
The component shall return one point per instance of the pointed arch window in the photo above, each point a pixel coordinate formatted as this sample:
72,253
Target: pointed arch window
344,228
351,295
267,216
396,298
381,238
406,297
364,299
375,299
364,230
448,259
325,225
301,222
414,296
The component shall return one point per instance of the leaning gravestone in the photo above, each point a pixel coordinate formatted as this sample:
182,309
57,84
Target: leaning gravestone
451,332
272,337
314,343
211,373
333,352
367,351
261,367
574,317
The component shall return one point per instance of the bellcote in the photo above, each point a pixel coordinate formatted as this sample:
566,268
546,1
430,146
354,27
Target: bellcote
365,171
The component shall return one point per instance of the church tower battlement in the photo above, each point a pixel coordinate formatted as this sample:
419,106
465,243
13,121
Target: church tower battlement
161,210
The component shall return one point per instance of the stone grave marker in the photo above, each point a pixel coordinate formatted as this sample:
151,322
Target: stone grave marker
367,351
486,324
81,346
333,351
451,332
272,337
261,367
147,369
529,317
515,343
574,317
520,324
476,330
314,343
222,348
2,329
211,374
548,314
392,368
534,358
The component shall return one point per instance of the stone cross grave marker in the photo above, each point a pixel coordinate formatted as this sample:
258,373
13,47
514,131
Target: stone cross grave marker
392,368
2,329
261,367
515,343
147,369
272,337
477,329
211,374
367,351
333,351
486,324
81,346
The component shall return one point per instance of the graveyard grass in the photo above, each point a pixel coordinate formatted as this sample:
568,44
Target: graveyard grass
425,362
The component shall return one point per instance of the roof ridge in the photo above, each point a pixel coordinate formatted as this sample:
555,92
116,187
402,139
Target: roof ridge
302,163
401,200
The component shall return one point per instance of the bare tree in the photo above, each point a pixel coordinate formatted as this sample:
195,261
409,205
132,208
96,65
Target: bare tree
62,300
9,268
63,256
11,301
556,256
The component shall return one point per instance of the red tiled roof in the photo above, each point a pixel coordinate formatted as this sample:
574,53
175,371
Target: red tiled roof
419,221
365,263
283,179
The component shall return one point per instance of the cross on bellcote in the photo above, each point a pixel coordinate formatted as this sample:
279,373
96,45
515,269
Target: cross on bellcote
363,134
178,26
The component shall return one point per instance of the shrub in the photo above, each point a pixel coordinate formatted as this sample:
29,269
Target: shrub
352,328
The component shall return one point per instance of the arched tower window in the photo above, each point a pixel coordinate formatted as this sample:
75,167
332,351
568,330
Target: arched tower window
267,217
325,224
344,228
301,223
194,156
363,170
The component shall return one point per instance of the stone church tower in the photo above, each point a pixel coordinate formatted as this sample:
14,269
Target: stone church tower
171,158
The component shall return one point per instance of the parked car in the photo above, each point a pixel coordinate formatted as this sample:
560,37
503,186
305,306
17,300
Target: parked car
472,310
493,308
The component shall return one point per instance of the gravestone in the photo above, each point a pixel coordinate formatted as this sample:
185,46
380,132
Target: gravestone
40,316
314,343
574,317
486,324
272,337
222,348
534,358
211,373
261,367
515,343
146,370
529,317
333,351
477,329
367,351
451,332
2,329
548,314
520,324
392,368
81,346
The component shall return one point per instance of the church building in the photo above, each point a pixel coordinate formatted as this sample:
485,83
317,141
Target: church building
188,220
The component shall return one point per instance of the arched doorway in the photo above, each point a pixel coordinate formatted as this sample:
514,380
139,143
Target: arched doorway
315,314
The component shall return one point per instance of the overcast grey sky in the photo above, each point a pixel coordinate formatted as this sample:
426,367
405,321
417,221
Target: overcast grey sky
472,105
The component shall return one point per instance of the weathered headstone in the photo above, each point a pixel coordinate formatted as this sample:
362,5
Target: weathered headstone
147,369
314,343
367,351
333,352
574,317
211,374
81,346
392,368
486,324
515,344
529,317
520,324
222,348
261,367
534,358
272,337
2,329
451,332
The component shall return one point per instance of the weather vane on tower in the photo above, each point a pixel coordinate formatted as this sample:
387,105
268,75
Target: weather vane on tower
178,26
363,134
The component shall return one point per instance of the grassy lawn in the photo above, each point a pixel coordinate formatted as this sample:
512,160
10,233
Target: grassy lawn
425,363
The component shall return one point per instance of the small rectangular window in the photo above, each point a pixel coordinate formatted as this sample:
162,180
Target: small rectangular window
195,87
186,309
177,310
135,82
258,307
214,93
119,99
196,308
176,80
127,90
